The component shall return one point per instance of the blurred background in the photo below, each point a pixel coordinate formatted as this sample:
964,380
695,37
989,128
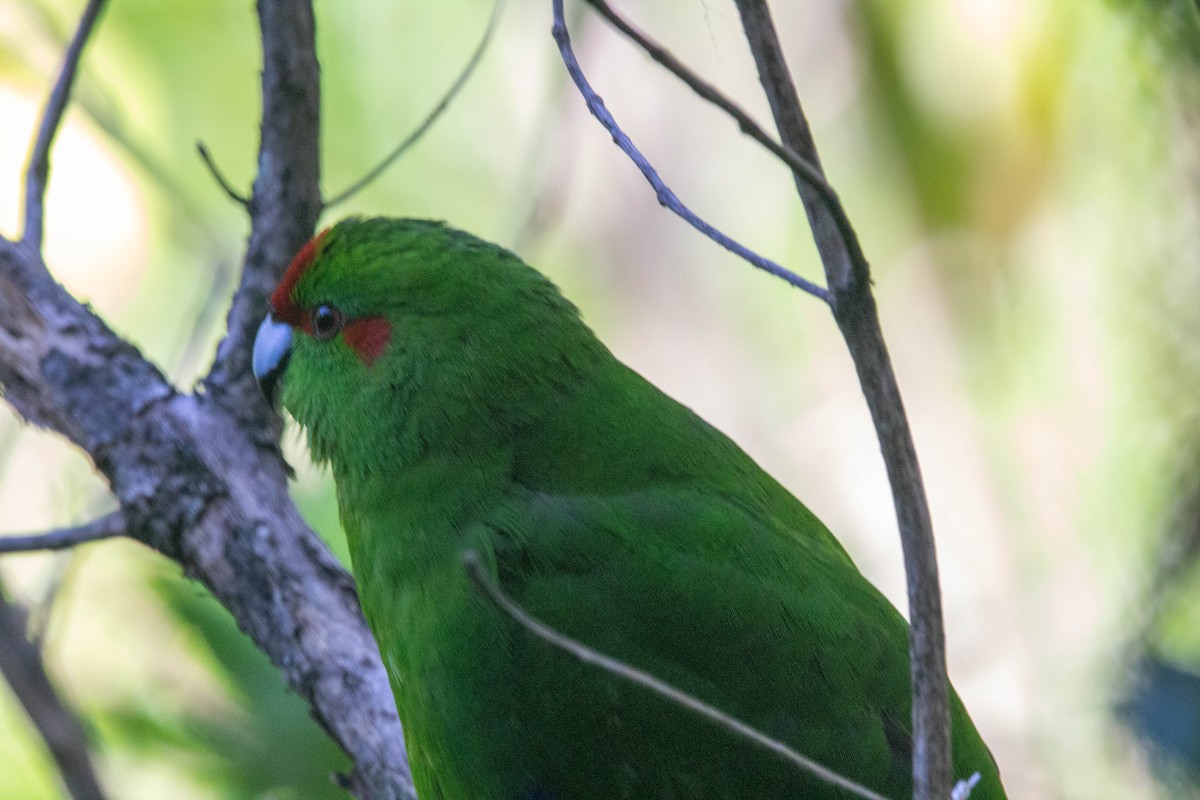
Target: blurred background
1024,177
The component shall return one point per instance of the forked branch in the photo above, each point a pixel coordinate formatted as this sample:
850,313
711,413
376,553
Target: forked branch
804,170
199,477
666,197
849,295
848,277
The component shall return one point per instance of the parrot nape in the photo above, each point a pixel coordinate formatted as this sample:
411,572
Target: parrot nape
463,405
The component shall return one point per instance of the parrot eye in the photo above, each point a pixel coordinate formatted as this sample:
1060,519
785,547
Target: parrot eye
326,321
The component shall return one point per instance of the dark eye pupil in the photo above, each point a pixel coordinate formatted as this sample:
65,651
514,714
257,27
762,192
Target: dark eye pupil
326,321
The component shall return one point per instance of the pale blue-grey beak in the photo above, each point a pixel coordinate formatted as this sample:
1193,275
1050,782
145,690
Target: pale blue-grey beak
272,347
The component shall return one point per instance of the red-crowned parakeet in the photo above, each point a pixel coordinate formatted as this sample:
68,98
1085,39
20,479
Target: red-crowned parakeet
462,405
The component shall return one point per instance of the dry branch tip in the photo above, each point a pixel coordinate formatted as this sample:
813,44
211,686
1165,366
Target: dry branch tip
218,176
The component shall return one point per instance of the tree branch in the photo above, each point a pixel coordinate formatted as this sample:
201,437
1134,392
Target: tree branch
848,277
107,527
37,172
666,197
200,477
193,485
59,728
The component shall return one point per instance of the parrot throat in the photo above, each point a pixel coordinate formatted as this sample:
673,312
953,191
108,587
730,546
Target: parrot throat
443,461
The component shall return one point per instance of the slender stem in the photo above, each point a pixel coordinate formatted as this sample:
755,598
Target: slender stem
666,197
37,171
587,655
219,177
285,201
848,277
107,527
432,117
21,664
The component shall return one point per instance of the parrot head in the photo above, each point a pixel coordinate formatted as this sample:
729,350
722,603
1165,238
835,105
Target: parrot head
389,337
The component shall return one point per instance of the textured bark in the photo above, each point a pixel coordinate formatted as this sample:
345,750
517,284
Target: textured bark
199,477
193,485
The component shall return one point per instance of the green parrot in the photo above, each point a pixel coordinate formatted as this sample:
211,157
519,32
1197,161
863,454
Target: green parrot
464,407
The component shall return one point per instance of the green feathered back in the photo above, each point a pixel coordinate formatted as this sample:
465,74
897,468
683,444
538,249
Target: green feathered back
494,420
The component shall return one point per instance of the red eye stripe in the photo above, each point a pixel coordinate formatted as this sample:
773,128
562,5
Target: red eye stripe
368,336
282,304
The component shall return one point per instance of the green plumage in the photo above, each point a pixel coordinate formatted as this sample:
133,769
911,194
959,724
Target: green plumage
494,420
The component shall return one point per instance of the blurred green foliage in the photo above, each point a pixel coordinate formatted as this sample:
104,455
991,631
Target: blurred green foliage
269,748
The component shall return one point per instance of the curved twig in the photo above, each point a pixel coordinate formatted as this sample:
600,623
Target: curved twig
666,197
587,655
219,177
419,131
37,172
802,168
107,527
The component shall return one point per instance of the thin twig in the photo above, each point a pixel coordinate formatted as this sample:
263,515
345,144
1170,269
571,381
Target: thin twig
432,117
587,655
241,199
107,527
58,726
37,172
802,168
847,274
285,200
666,197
